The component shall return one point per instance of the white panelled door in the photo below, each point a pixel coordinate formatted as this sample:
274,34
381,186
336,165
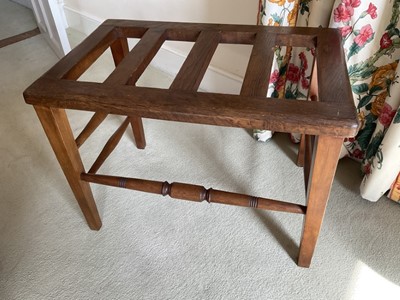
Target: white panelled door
51,24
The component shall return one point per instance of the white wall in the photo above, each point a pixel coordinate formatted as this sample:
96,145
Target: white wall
217,11
232,60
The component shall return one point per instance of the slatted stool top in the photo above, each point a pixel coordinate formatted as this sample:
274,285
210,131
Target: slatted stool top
333,114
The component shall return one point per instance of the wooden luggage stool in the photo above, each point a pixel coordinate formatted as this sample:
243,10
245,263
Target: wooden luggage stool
324,123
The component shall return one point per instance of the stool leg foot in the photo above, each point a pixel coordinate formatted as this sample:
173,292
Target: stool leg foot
56,126
138,132
323,167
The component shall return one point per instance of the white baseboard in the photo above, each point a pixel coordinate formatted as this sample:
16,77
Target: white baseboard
167,60
81,21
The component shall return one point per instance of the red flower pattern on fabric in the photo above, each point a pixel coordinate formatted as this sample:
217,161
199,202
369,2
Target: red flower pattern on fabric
387,115
350,140
274,77
367,169
293,73
304,63
343,13
305,83
372,11
277,80
386,41
345,30
366,33
357,153
352,3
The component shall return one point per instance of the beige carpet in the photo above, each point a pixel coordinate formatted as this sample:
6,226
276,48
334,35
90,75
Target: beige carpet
14,19
151,247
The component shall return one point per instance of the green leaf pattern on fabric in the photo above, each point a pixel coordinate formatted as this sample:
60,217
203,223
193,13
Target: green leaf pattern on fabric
396,119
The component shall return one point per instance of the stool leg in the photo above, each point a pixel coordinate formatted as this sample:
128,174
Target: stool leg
300,154
323,167
56,126
308,157
119,50
138,132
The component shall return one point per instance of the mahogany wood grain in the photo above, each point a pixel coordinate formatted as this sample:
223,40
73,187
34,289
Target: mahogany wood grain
331,79
191,192
59,133
256,79
205,108
135,62
241,34
77,61
295,40
323,167
192,71
90,127
120,50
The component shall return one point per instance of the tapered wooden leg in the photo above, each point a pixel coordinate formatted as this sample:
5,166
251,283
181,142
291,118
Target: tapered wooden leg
323,167
138,132
59,133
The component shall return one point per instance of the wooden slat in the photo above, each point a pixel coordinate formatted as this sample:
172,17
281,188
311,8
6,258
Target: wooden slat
207,108
76,62
258,71
296,40
301,36
191,192
133,65
192,71
333,82
119,48
242,37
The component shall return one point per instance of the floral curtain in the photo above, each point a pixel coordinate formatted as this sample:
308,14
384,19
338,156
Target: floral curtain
371,41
